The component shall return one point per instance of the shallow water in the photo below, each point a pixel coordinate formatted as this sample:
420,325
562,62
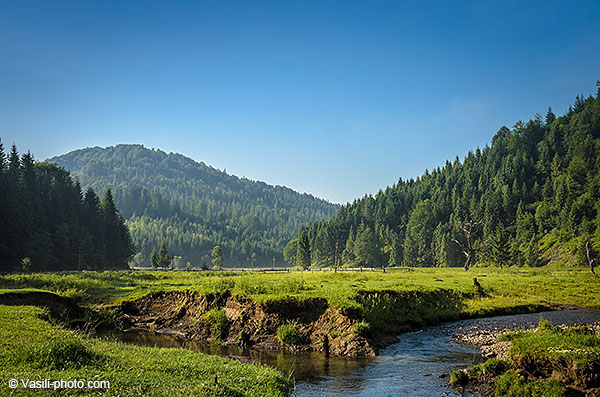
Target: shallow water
419,364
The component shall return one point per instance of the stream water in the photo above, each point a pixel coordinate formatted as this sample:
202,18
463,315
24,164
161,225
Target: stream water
419,364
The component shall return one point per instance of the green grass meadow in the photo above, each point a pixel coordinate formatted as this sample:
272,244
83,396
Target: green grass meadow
502,287
36,349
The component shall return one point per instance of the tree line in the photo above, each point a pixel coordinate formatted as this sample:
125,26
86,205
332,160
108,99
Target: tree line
528,199
47,223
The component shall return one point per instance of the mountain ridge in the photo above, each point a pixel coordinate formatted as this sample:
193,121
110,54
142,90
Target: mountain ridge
194,206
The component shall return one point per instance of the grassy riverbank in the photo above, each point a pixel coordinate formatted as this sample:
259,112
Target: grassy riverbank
502,288
34,349
373,305
546,361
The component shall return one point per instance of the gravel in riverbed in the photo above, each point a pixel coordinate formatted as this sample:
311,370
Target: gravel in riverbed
489,346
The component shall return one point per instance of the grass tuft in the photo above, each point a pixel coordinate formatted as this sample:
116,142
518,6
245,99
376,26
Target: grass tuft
219,322
288,334
511,384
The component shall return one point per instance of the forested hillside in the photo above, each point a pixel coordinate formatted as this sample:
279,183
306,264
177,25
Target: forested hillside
46,223
193,207
530,198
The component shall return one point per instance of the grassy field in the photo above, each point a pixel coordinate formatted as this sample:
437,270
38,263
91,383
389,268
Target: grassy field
501,288
34,349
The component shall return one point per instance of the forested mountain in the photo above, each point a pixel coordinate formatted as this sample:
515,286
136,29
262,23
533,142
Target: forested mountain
530,198
46,223
193,207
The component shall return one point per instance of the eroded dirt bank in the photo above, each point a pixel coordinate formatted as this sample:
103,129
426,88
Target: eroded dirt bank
319,326
59,307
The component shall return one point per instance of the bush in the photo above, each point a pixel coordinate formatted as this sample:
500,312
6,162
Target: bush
475,371
496,367
288,334
459,378
219,323
104,318
362,329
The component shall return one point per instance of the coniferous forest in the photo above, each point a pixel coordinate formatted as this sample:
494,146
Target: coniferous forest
530,198
192,207
47,223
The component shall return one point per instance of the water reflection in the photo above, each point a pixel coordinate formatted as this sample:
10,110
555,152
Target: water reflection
306,367
418,365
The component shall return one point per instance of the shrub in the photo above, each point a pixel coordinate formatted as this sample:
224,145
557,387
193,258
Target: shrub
459,378
218,321
475,371
362,329
288,334
496,367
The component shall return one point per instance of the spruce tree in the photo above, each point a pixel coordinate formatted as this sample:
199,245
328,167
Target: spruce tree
119,248
2,156
217,261
303,255
395,251
154,259
499,248
550,117
163,255
366,248
348,257
51,223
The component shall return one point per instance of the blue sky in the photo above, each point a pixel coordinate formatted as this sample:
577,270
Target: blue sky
334,98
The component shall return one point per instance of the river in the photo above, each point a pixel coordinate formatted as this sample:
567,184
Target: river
419,364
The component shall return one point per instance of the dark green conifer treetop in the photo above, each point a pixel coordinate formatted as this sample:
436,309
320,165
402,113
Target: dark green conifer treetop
217,254
303,256
154,259
527,199
46,223
163,256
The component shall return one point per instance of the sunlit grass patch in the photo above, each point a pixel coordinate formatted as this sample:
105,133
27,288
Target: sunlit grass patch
35,349
502,288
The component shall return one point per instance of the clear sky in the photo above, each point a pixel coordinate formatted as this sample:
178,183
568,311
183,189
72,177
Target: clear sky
334,98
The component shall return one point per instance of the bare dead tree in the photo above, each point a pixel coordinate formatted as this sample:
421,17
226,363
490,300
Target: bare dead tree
590,258
469,229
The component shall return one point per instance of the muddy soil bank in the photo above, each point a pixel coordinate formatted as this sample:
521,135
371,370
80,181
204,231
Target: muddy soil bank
319,326
59,308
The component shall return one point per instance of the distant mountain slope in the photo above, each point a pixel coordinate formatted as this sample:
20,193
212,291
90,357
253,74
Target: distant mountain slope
193,206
